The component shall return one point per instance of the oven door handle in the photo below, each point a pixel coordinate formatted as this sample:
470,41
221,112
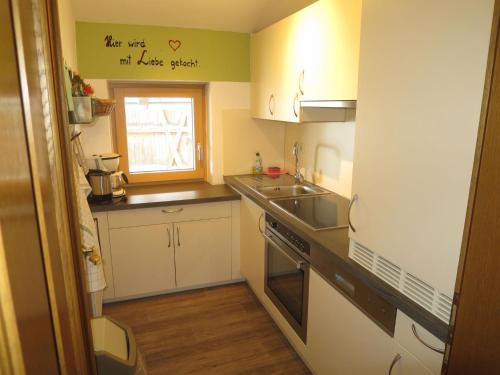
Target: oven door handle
298,263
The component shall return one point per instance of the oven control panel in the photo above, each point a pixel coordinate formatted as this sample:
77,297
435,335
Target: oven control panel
294,239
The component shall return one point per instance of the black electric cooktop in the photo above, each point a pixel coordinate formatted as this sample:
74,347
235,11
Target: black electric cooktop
317,212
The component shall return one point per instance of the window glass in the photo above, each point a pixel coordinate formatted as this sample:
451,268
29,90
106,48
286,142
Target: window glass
160,134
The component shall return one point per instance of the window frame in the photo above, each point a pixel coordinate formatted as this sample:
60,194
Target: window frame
197,92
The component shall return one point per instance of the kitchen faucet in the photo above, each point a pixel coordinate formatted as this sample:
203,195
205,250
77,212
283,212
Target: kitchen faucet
299,178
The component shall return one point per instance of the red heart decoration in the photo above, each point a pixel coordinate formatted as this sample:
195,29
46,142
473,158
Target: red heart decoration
174,44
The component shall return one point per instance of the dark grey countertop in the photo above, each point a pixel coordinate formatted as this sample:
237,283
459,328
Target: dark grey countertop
335,243
168,195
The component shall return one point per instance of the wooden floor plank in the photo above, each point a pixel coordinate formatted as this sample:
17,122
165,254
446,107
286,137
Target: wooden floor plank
215,331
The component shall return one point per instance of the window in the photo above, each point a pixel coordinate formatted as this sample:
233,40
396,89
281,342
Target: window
160,132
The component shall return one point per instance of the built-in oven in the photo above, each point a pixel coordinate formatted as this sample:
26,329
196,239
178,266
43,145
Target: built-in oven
287,273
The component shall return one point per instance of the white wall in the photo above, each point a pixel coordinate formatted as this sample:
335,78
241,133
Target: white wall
327,153
97,138
68,32
233,136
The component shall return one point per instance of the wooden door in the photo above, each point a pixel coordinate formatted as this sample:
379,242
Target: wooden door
202,251
475,343
252,245
43,308
143,259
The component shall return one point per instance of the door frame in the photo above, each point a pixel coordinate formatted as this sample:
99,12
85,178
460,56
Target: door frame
474,339
34,27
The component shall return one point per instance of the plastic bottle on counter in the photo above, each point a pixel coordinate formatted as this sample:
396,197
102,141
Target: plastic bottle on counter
258,169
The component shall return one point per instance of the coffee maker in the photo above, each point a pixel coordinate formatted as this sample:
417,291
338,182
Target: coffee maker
118,181
100,182
106,181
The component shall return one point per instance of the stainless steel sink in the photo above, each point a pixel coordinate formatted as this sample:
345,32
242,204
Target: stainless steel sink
283,186
289,190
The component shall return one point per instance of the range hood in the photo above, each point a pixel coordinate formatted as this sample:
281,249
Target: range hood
328,110
343,104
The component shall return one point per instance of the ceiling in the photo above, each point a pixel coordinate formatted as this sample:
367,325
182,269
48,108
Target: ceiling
227,15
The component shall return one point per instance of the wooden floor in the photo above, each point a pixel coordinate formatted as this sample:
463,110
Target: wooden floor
223,330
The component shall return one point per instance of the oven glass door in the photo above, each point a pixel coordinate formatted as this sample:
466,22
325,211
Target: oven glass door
287,276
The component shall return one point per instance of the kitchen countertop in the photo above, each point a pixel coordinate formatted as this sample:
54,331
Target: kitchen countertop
333,249
168,195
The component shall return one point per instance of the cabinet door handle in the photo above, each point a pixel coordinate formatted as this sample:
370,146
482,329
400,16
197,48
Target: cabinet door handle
301,82
396,359
169,240
354,199
271,99
178,237
295,105
173,211
415,333
259,224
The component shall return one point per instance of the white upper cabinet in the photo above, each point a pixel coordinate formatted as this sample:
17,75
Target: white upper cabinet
421,78
310,55
264,72
327,41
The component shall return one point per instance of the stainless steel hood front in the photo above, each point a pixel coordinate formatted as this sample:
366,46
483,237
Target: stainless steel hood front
348,104
327,110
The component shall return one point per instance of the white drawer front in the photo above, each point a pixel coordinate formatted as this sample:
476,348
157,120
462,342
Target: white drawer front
404,335
168,214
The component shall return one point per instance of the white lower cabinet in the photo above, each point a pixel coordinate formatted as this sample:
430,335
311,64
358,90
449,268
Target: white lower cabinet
341,339
252,245
406,363
143,260
405,336
156,250
202,251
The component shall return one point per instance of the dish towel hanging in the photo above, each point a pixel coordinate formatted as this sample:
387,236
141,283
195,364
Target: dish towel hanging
88,234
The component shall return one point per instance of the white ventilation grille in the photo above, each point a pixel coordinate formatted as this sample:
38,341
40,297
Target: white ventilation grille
410,285
388,272
419,291
362,255
444,304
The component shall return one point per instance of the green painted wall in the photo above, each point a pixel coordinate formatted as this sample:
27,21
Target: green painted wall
135,52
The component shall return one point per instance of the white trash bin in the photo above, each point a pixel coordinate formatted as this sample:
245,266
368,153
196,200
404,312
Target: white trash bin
115,349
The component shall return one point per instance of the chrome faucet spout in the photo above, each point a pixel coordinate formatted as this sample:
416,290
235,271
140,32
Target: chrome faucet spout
297,148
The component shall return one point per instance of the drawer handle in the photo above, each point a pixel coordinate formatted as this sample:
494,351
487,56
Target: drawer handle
396,359
178,237
415,333
169,240
354,199
173,211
